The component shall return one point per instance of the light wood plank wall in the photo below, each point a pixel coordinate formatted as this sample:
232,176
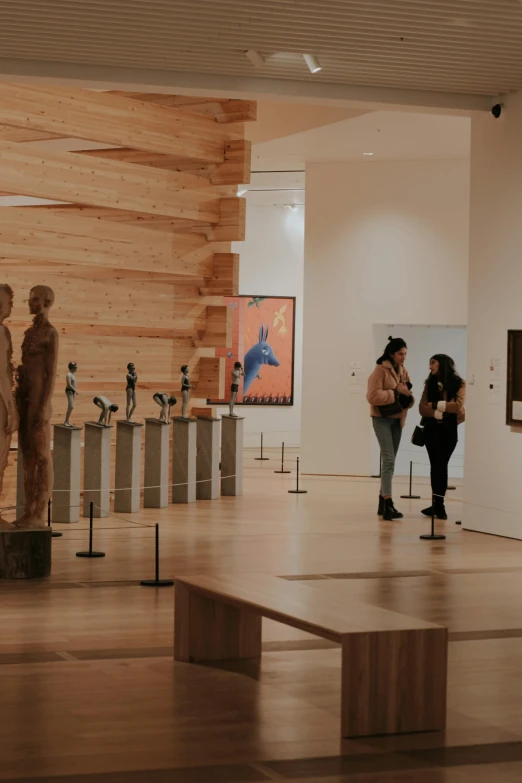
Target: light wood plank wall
139,252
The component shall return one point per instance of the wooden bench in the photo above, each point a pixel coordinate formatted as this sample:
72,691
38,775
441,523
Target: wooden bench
393,674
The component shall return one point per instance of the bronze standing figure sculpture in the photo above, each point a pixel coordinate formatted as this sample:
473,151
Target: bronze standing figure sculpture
71,391
130,389
8,412
35,386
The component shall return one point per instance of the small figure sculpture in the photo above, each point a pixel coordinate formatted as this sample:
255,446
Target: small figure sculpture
237,372
8,412
71,391
35,386
166,403
107,409
186,386
132,380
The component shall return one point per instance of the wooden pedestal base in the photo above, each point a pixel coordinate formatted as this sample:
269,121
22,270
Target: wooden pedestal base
25,554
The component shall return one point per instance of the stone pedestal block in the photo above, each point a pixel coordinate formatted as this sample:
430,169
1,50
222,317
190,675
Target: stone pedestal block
128,467
97,469
66,464
207,464
183,460
25,554
156,492
232,455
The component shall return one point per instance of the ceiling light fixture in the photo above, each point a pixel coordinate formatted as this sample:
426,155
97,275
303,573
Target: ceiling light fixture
291,207
255,58
312,62
241,191
368,154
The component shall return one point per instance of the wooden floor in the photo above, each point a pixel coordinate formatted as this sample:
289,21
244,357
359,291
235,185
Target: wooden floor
89,691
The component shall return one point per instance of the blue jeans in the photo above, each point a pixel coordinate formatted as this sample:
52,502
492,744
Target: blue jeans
388,433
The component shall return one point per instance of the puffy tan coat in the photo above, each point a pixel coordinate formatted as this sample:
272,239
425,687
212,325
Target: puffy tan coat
427,411
382,385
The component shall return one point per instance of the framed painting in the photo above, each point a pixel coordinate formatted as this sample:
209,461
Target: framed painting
263,337
514,379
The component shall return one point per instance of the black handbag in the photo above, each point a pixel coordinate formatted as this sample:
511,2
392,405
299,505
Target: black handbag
419,436
392,409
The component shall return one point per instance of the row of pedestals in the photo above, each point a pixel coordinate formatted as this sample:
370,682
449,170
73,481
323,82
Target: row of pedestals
200,470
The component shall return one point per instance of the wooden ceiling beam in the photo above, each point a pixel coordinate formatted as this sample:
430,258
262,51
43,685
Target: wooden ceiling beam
112,119
223,110
67,176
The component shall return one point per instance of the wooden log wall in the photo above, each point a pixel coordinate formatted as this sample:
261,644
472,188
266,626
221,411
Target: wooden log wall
137,242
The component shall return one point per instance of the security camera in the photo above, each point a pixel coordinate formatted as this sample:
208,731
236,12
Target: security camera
496,110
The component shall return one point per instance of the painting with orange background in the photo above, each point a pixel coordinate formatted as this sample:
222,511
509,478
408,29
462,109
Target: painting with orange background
263,341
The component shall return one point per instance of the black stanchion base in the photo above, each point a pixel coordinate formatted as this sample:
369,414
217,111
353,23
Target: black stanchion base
157,582
433,537
56,535
261,459
90,554
411,497
282,471
297,491
458,523
451,488
375,476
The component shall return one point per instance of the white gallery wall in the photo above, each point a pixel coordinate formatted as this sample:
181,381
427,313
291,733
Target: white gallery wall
385,242
494,450
272,259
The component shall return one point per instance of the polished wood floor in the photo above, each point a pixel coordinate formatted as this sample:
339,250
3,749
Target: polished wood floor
89,691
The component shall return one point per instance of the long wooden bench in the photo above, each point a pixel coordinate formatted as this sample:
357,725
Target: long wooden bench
393,674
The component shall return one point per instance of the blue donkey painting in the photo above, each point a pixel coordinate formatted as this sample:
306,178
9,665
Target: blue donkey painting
259,354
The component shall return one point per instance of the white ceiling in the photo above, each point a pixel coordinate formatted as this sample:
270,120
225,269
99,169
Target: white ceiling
466,47
390,135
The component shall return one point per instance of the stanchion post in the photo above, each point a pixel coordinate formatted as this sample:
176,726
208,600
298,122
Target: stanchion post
90,553
297,491
282,460
157,582
54,534
261,458
410,496
433,536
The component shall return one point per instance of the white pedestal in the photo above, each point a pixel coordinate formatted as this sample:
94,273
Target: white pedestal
207,463
232,455
97,469
128,467
156,492
66,464
183,460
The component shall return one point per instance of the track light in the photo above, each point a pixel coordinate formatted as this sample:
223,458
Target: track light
312,62
255,58
291,207
241,191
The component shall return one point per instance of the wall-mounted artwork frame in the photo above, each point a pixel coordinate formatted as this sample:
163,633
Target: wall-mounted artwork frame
263,340
514,379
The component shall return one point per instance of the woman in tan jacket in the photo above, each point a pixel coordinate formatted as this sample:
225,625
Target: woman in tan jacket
390,397
442,410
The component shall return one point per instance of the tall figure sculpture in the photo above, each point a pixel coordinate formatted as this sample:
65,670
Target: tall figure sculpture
166,402
71,391
36,379
8,412
132,380
237,372
186,386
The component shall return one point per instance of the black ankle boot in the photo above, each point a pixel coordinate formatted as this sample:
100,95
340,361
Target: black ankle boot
390,512
380,510
440,509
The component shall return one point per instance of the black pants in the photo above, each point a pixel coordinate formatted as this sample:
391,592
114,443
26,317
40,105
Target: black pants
441,440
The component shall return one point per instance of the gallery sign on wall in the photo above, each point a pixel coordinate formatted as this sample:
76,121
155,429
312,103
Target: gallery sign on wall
263,336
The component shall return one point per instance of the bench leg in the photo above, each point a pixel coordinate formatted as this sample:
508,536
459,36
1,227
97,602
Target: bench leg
394,683
206,630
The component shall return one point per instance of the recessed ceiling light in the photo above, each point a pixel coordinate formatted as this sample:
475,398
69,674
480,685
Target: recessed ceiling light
368,154
312,62
255,58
